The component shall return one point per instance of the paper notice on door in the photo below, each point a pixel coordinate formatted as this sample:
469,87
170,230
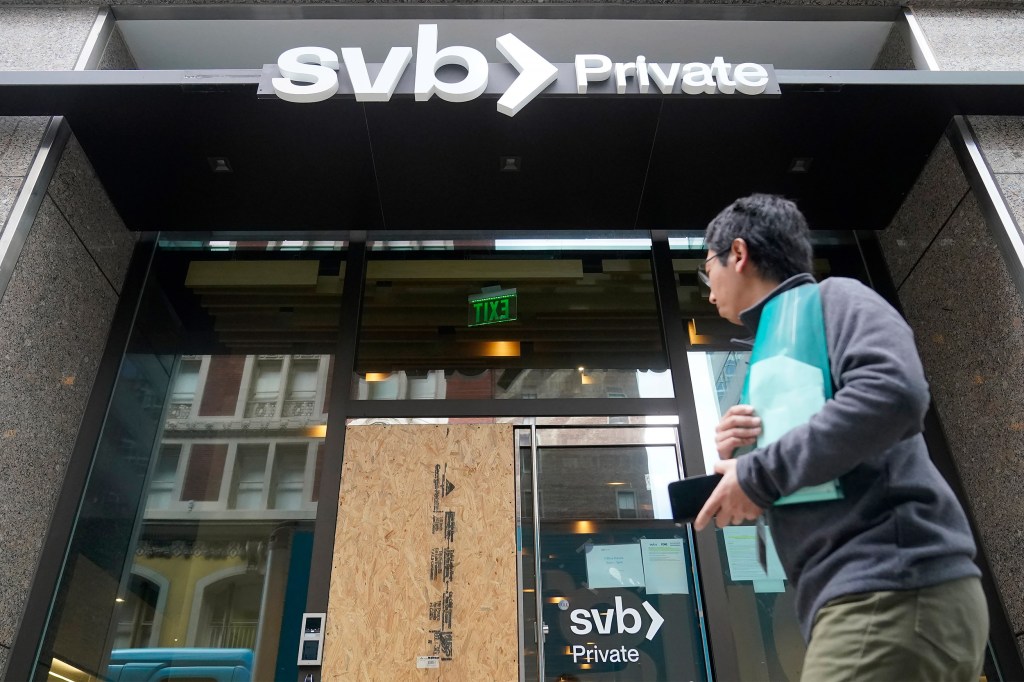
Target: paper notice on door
741,550
664,566
614,566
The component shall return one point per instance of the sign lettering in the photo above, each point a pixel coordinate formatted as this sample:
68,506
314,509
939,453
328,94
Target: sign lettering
493,307
310,74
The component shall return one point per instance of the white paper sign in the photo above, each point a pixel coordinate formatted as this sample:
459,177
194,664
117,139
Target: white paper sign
428,661
664,566
615,566
741,550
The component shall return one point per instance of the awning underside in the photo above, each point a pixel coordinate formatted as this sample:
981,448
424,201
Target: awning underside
607,162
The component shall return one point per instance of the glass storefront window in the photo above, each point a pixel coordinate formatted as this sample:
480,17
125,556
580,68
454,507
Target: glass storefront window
194,542
508,319
193,546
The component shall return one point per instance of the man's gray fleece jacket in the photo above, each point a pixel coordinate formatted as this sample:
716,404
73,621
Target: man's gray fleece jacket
898,525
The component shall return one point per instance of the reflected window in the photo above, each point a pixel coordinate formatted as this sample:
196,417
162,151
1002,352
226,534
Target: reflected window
511,318
183,391
265,388
625,503
230,612
137,612
164,481
249,477
289,489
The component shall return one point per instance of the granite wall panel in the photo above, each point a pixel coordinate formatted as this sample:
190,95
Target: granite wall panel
56,315
957,293
9,188
969,322
116,54
938,190
43,38
972,38
57,312
80,197
1001,140
895,54
19,140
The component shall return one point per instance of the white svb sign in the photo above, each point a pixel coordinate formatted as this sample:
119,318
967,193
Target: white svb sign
311,74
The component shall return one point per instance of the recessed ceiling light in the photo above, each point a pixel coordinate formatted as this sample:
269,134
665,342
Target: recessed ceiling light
510,164
219,164
800,164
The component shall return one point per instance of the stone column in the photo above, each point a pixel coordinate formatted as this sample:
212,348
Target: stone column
959,297
55,312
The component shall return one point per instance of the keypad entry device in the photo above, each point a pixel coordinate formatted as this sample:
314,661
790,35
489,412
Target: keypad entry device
311,640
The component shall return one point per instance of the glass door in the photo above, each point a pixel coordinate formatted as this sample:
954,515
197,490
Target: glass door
616,593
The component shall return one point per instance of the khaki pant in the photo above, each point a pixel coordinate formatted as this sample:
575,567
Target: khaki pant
933,634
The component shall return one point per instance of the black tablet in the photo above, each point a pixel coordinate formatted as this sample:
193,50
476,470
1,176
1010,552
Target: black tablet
689,495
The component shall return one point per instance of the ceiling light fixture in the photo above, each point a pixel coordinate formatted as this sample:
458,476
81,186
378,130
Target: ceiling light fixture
499,349
219,164
510,164
800,164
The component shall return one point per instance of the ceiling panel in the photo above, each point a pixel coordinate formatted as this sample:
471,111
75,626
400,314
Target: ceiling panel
583,163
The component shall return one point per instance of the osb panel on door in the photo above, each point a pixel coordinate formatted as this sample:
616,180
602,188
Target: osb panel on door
425,555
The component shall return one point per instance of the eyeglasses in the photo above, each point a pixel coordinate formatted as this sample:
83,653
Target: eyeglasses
702,270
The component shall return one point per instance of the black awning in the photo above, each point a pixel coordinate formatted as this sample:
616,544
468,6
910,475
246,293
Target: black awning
604,162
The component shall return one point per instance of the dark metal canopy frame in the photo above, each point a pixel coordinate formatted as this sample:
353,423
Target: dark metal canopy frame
644,162
605,161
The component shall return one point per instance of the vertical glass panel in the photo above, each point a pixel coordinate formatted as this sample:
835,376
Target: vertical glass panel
761,610
512,318
94,600
191,557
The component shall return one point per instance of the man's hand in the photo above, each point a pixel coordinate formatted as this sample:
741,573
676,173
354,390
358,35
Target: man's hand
739,427
728,503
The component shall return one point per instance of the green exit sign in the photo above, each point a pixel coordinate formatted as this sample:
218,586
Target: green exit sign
493,307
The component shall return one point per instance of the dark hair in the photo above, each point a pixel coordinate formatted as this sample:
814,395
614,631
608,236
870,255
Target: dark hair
775,232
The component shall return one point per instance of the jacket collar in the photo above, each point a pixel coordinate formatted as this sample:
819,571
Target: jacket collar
752,315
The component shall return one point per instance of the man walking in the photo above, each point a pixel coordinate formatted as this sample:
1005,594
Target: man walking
886,586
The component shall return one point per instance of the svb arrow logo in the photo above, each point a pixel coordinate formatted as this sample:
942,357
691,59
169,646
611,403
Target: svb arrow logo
535,74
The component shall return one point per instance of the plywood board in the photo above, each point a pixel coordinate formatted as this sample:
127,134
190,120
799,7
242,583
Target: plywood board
425,555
